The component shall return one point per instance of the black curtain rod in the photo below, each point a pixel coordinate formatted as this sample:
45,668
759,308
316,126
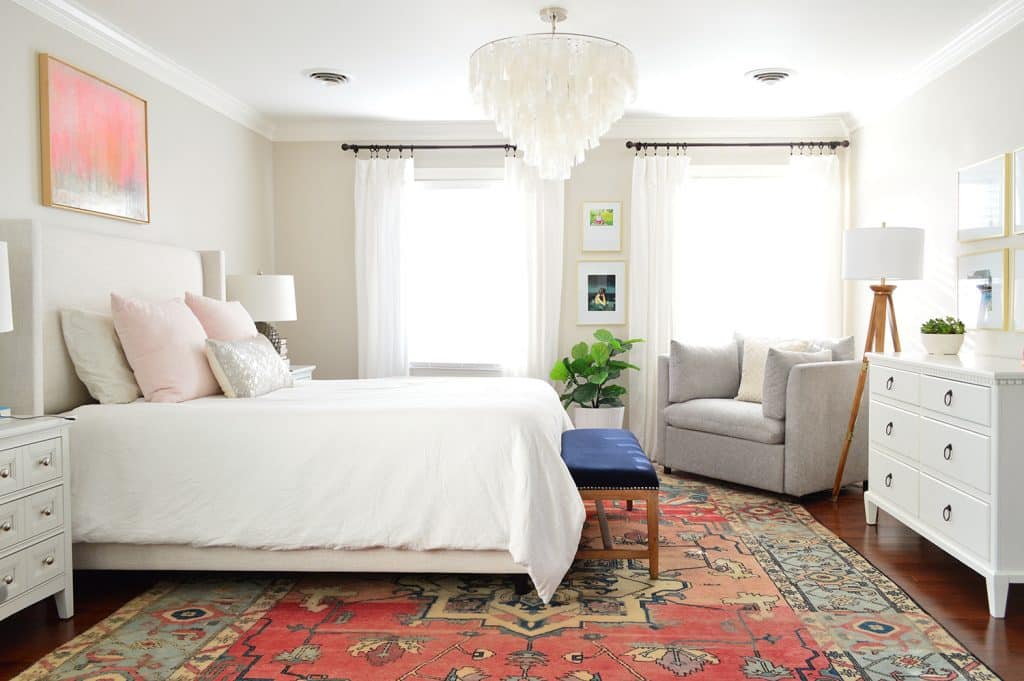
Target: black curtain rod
355,148
831,144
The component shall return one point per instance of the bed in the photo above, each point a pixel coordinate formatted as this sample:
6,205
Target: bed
389,475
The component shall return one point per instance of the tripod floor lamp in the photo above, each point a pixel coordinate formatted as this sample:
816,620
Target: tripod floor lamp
877,254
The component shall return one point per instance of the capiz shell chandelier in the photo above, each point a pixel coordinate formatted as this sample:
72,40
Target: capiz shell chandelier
553,94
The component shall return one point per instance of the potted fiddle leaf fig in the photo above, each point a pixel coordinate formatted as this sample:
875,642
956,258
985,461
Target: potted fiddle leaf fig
942,336
590,395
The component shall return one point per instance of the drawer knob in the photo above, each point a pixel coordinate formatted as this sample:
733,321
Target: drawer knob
5,473
888,480
48,560
45,462
947,399
888,428
6,527
48,511
888,383
947,452
8,579
947,513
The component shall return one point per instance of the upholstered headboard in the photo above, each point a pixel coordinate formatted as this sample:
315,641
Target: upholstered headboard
54,268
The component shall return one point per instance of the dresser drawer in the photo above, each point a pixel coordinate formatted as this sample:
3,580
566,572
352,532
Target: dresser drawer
42,461
960,517
894,384
894,429
10,480
893,481
953,398
12,576
43,561
12,524
44,511
956,454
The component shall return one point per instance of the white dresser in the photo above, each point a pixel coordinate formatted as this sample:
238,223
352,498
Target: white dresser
35,531
946,437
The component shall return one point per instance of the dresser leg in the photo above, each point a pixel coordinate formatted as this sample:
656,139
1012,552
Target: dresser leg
997,588
870,511
65,601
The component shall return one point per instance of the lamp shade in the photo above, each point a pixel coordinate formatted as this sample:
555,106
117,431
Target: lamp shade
266,297
883,253
6,313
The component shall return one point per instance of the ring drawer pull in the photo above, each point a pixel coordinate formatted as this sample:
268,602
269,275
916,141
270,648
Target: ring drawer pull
947,513
888,383
888,480
8,579
48,560
6,527
947,452
888,428
947,399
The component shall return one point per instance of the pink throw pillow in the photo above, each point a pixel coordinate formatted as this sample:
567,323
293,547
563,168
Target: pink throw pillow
223,321
166,347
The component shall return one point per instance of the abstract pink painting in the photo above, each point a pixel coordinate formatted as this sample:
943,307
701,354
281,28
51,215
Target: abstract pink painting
95,154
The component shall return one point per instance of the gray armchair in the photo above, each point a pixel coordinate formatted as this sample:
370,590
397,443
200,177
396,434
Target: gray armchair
732,440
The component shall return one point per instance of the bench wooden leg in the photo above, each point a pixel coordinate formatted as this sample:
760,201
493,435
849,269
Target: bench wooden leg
608,551
629,504
652,534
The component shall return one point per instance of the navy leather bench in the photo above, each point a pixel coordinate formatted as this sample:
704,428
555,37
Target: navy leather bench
608,463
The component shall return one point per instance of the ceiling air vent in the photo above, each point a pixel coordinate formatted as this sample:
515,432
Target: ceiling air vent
770,76
330,78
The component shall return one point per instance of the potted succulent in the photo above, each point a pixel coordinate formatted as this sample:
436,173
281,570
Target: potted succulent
942,336
595,401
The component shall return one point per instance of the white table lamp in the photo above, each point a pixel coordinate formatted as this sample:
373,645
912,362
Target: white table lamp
878,254
6,312
268,298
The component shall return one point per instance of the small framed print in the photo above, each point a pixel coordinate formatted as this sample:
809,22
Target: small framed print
981,300
1018,192
602,226
602,293
982,196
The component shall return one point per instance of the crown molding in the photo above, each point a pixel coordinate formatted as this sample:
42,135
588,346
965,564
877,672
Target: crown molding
972,39
722,129
80,23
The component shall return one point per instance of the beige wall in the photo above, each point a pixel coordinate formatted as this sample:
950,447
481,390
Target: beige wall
903,167
210,178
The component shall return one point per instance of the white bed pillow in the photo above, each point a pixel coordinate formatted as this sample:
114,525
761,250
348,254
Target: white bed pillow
249,367
98,357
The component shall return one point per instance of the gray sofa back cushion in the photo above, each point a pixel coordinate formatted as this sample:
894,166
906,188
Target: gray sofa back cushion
776,377
697,371
842,348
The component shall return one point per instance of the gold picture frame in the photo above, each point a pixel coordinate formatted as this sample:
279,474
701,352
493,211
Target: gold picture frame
1017,191
991,268
105,145
606,239
983,195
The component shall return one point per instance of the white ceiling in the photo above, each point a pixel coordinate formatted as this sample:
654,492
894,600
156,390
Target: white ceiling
408,58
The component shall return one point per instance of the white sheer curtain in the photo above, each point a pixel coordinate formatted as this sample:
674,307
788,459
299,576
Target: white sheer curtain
656,199
538,211
379,188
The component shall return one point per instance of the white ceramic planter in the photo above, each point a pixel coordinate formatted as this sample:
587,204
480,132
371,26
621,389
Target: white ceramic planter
942,343
602,417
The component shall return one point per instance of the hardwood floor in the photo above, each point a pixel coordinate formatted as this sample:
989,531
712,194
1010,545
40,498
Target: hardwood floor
950,592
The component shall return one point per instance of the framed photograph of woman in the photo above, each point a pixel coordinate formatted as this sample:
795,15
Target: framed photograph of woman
982,199
602,293
602,226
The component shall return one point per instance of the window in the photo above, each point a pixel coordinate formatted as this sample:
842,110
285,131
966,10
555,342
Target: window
753,255
462,283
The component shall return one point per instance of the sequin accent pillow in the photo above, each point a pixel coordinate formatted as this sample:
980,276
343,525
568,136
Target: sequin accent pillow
249,367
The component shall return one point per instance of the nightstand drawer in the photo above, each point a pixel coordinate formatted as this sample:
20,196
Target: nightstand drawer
43,511
42,461
894,429
12,524
956,454
44,560
10,478
958,516
894,384
894,481
12,576
953,398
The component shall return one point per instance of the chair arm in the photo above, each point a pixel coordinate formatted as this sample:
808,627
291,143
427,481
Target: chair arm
819,397
659,441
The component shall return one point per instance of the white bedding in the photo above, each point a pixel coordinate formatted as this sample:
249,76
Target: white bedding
412,463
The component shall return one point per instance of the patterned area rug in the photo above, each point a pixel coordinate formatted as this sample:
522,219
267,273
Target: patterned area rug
752,588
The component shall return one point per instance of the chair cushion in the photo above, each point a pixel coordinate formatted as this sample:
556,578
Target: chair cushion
697,371
731,418
607,458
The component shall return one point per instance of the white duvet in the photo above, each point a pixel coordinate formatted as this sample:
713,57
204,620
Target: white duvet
412,463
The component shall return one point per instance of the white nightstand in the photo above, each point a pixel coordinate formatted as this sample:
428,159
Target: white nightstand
35,506
303,372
